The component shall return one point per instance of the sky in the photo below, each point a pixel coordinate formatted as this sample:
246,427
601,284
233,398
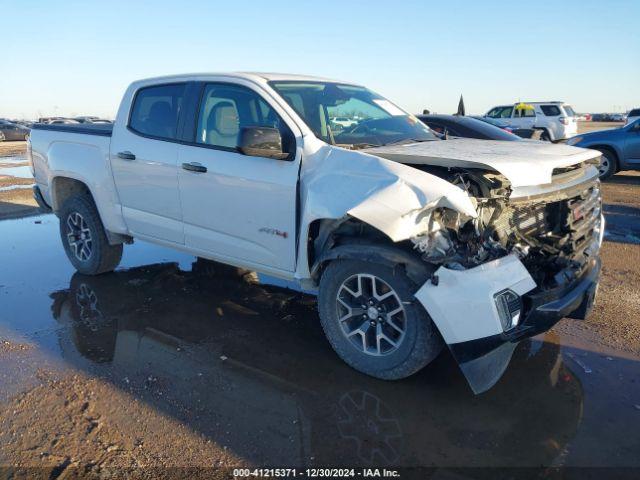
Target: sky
76,57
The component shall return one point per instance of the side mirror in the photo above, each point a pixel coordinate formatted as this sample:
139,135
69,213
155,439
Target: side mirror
261,142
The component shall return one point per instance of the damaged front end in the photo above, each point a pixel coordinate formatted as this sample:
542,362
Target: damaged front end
506,256
526,259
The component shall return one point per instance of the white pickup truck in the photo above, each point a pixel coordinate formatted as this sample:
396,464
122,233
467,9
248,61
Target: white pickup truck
411,242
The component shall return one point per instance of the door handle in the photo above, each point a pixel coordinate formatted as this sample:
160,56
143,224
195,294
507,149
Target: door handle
126,155
194,167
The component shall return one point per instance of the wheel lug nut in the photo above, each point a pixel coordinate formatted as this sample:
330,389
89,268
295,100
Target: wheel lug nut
370,302
373,323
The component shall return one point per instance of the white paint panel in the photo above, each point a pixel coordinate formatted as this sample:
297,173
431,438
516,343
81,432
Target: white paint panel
523,163
462,304
152,225
243,207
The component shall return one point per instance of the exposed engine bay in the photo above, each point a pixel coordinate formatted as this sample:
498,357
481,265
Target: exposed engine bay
553,234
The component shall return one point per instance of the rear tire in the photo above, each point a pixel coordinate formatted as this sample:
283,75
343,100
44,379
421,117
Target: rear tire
84,238
545,136
608,163
390,346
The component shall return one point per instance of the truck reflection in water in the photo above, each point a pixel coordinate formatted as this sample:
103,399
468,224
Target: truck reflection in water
247,366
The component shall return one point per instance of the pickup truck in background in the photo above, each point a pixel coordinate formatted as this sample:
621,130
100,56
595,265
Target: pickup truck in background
412,243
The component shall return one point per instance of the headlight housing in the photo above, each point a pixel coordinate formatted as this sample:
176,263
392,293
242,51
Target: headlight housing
574,140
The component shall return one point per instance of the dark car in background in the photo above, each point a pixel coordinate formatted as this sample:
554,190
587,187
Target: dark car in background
13,131
620,147
90,119
466,127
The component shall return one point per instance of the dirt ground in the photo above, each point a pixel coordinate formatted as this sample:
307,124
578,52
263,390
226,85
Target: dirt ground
16,197
172,363
12,148
584,127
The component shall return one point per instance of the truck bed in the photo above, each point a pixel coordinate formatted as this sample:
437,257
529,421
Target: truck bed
102,129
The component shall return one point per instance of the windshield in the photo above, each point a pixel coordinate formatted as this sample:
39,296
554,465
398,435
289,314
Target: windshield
351,116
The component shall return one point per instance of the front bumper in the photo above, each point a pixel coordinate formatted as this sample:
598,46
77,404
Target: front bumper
484,359
545,309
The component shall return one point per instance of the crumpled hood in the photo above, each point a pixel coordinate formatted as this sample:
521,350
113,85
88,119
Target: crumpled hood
523,163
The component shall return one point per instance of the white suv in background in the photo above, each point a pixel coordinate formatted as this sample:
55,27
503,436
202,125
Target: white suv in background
632,116
557,120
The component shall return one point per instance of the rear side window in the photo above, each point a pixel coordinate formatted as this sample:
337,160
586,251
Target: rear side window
550,110
634,113
156,109
569,111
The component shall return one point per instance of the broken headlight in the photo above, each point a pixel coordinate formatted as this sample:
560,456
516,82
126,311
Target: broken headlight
509,306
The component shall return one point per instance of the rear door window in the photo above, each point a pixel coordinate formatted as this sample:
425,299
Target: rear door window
525,113
156,109
550,110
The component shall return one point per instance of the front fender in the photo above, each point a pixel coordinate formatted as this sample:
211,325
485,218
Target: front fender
391,197
617,149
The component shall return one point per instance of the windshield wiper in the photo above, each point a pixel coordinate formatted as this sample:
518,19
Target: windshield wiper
408,140
357,146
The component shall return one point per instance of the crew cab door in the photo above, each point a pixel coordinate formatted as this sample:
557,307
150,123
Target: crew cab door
144,161
235,207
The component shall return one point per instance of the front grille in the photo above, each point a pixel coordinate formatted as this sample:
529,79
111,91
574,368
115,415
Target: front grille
584,218
566,226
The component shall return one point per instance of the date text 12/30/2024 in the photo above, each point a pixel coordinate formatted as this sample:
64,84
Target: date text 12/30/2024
239,473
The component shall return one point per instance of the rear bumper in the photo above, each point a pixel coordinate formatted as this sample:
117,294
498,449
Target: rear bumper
567,132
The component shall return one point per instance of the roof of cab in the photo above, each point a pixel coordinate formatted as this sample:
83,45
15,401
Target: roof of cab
259,77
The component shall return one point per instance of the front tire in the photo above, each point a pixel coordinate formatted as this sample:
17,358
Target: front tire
372,320
608,164
84,238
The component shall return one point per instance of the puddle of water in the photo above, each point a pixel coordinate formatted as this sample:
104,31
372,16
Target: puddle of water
16,187
622,223
253,359
12,159
20,172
